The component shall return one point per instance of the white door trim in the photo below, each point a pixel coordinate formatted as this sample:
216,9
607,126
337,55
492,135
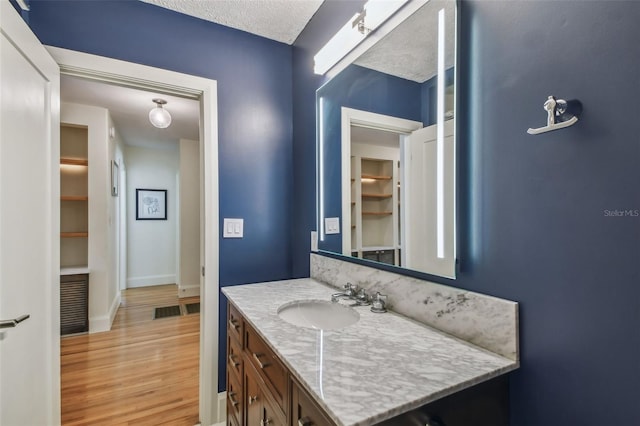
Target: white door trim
164,81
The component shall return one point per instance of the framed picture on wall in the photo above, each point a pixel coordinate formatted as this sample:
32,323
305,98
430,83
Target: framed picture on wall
151,204
115,173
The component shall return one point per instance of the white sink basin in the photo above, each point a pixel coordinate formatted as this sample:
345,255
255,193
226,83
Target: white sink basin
318,314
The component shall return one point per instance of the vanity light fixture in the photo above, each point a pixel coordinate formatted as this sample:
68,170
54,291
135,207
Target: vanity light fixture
374,13
320,168
159,116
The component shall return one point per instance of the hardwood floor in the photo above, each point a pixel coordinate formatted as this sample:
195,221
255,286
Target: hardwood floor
142,372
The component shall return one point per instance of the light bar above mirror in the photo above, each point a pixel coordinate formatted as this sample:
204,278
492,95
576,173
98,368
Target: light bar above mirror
360,26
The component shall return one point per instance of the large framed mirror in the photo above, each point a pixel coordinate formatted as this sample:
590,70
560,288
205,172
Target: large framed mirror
386,145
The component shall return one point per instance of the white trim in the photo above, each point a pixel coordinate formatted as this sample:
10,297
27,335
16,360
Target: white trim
113,310
103,322
189,290
356,117
222,408
150,280
126,73
99,324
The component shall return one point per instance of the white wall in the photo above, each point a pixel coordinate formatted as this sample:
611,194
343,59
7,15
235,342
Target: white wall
151,244
103,291
189,228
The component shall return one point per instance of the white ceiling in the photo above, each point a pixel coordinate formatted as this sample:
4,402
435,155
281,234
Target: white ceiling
130,108
280,20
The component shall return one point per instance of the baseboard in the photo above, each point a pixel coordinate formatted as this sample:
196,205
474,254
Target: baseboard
113,310
103,322
150,280
99,324
222,408
189,290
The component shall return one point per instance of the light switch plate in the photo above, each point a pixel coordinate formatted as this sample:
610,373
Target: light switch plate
332,225
233,228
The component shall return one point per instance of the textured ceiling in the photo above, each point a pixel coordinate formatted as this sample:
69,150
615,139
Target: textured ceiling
130,108
410,51
280,20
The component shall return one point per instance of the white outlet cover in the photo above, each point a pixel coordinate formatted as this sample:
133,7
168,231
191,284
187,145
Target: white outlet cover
233,228
332,225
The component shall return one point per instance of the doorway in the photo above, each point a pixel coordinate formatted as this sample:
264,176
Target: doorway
205,91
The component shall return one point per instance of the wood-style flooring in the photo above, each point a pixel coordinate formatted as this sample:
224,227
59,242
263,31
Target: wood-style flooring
142,372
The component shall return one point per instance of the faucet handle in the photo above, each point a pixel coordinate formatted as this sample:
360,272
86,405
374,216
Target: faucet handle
350,289
363,298
378,304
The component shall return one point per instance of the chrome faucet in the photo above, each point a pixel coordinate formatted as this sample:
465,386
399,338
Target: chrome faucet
353,292
348,293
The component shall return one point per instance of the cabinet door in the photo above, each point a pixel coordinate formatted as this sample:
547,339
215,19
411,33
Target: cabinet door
271,414
304,411
260,409
253,399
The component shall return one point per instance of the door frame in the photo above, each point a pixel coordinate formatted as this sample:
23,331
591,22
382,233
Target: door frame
371,120
205,90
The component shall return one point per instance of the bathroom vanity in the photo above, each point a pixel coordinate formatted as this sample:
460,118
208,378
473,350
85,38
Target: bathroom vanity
382,369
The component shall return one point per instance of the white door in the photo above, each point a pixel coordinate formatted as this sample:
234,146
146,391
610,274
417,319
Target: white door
420,198
29,226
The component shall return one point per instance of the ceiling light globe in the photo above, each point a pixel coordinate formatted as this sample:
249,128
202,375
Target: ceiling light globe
160,117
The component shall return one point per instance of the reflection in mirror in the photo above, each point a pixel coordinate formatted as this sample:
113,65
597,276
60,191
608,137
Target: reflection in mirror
386,147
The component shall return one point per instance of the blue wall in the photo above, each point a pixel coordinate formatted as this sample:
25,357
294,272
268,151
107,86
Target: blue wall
533,223
254,113
367,90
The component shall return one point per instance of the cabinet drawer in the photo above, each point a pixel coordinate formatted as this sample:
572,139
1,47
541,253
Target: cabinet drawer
269,367
235,397
234,357
235,323
304,411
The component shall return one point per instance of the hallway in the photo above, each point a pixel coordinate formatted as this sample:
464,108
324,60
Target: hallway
142,372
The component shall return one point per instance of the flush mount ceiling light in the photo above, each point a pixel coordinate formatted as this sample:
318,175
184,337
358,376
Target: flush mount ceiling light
159,116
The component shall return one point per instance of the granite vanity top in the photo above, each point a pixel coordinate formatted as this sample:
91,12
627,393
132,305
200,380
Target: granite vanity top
379,367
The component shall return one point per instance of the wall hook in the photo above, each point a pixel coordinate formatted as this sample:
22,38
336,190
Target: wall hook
560,114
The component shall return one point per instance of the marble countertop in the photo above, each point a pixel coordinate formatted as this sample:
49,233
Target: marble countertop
381,366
